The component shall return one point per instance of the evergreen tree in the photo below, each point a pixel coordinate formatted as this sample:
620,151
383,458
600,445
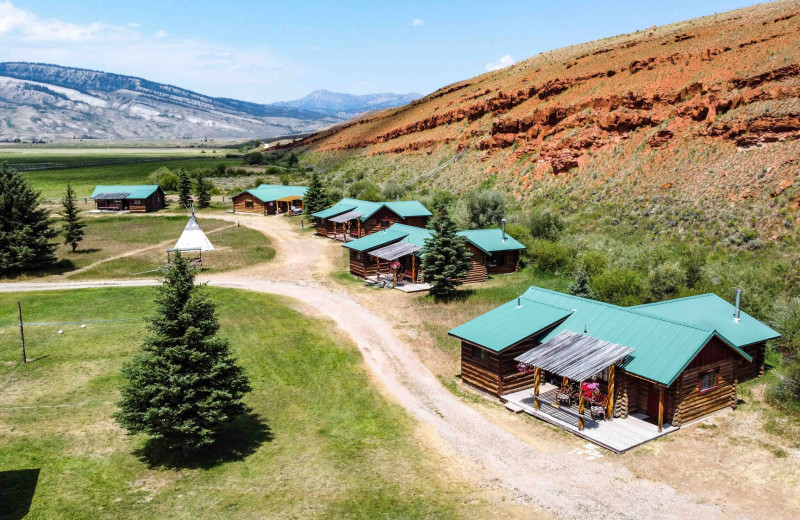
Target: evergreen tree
316,199
445,257
25,229
73,225
185,387
184,189
292,160
580,284
203,192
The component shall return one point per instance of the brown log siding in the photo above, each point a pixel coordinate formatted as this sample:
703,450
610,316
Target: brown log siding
511,265
497,374
240,204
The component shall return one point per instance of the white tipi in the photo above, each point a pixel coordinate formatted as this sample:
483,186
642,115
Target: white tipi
193,238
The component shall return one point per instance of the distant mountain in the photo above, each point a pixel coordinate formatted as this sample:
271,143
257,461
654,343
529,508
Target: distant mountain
50,101
347,105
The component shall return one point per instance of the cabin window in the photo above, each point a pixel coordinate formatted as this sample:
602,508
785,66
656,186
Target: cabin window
137,202
496,260
248,204
479,353
385,223
709,380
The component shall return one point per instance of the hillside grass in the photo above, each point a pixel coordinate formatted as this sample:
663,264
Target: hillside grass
321,442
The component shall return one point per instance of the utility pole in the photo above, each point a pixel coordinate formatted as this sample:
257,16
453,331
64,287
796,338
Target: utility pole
21,332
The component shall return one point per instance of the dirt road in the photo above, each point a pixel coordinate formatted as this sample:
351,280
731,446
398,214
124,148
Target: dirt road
565,484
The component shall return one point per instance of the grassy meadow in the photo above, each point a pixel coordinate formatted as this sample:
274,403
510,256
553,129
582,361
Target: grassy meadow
122,246
320,443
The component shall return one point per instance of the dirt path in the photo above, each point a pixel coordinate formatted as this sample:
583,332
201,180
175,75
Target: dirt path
566,484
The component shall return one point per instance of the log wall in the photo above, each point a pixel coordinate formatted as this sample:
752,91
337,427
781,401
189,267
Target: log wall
239,204
692,404
497,374
477,270
746,370
511,266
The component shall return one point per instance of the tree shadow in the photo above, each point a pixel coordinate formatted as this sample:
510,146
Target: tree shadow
17,488
59,267
85,251
241,439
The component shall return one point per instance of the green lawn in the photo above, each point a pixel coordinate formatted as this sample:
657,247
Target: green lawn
112,235
322,443
52,182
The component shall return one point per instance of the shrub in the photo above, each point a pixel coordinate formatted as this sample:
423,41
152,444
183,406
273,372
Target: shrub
484,209
619,286
594,262
220,169
546,225
365,190
393,190
550,257
165,178
665,281
693,262
254,158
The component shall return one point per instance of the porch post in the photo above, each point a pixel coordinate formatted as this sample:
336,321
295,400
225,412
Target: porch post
537,376
580,407
610,411
660,407
378,275
359,227
413,268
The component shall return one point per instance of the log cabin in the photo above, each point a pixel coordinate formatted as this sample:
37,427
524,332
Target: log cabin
686,356
134,198
270,199
358,218
492,251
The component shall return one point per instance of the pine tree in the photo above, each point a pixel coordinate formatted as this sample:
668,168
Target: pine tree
316,199
445,257
73,224
184,189
203,192
580,284
185,387
25,229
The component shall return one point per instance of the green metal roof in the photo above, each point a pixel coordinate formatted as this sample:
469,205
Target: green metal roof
375,240
709,311
334,210
487,240
491,240
509,324
403,208
141,191
663,346
270,192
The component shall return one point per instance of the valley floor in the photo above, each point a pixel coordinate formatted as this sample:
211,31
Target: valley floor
540,469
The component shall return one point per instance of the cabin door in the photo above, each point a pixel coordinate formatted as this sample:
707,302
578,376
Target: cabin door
652,401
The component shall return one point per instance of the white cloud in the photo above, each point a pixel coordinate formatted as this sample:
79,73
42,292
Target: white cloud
502,63
133,24
205,66
416,22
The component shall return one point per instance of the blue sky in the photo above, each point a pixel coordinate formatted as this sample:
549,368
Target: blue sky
270,51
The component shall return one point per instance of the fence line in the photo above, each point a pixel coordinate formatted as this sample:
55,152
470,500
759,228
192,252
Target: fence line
27,167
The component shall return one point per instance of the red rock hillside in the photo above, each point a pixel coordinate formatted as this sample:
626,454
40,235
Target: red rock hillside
707,109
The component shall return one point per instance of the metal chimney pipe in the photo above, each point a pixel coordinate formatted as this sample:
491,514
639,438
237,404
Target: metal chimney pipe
503,225
519,303
737,312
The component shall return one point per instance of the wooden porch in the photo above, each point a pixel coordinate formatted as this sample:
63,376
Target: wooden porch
401,284
618,435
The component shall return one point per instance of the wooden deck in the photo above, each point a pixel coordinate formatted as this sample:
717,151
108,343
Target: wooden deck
405,286
619,435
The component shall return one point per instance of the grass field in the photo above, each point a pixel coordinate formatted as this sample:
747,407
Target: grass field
322,443
144,241
52,182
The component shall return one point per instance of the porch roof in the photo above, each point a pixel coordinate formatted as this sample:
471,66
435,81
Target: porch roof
575,356
395,251
345,217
